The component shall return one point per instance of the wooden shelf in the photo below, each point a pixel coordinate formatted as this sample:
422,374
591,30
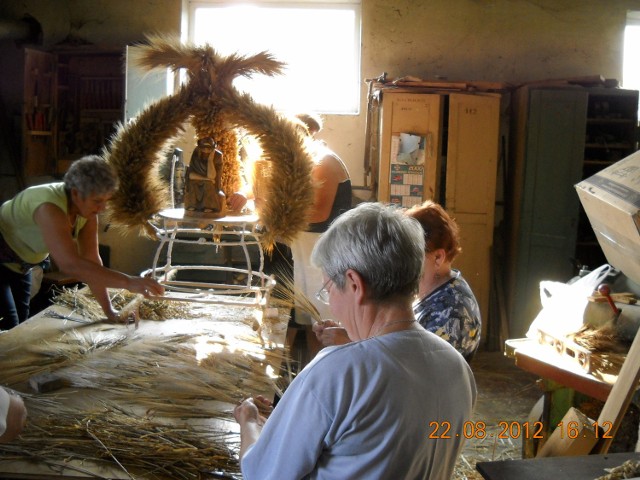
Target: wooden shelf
610,136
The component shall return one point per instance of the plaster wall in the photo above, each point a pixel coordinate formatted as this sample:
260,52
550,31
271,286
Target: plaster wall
108,23
484,40
490,40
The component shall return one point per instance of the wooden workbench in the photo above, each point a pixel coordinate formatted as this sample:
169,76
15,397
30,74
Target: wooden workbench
543,361
615,384
200,359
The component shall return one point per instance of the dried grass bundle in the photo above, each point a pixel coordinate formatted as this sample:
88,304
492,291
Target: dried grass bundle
181,368
82,303
629,469
289,294
604,339
179,378
289,186
136,151
54,353
174,369
215,106
135,444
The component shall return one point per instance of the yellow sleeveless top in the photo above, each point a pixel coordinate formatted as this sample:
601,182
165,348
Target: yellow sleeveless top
18,227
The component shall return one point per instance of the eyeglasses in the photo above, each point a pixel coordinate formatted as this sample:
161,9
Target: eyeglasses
323,293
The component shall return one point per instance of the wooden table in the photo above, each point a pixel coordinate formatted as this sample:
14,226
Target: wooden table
543,361
212,337
561,376
586,467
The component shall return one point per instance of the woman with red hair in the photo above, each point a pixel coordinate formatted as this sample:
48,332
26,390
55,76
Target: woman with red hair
445,304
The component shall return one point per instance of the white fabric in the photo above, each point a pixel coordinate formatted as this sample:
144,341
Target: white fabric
365,410
4,409
564,304
306,277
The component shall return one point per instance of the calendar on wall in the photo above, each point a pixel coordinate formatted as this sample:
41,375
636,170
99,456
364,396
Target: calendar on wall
407,169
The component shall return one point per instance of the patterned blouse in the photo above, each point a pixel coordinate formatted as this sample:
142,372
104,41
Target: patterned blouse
452,312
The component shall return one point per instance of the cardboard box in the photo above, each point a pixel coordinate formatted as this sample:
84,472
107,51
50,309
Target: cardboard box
611,199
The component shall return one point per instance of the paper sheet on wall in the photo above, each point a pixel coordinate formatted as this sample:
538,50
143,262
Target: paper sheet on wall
407,169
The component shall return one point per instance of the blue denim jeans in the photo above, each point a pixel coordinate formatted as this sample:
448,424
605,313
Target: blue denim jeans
15,295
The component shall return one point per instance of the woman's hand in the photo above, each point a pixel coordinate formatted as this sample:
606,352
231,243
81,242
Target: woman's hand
330,333
145,286
141,285
254,409
248,416
236,201
16,419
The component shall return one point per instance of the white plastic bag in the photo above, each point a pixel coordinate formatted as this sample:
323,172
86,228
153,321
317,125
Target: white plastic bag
563,304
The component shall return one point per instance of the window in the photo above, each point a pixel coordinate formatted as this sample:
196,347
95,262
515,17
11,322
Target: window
319,42
631,61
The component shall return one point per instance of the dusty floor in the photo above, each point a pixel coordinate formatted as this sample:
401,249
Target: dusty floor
505,394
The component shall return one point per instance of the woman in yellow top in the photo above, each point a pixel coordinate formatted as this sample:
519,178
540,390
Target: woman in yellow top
60,220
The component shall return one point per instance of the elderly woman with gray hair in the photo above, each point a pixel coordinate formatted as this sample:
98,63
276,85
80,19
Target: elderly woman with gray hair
60,220
378,406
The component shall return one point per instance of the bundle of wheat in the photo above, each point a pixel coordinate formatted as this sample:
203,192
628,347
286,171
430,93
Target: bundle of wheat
604,339
137,445
175,380
83,304
608,350
629,469
136,151
214,107
287,294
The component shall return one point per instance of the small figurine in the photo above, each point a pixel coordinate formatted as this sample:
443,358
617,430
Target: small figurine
203,193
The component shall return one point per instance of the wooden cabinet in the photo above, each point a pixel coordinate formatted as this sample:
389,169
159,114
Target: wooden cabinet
473,151
418,114
557,140
28,93
461,135
64,104
38,113
90,98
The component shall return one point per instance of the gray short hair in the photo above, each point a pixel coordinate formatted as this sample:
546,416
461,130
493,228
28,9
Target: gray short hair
379,242
91,175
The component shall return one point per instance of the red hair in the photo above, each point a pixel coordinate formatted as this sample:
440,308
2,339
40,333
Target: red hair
440,230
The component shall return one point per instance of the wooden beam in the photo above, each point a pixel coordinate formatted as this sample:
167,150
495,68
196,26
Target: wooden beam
620,397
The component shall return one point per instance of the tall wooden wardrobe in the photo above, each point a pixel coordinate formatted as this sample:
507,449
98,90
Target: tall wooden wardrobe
461,134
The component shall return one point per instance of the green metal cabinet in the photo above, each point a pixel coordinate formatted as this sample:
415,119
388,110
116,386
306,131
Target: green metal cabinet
560,135
549,147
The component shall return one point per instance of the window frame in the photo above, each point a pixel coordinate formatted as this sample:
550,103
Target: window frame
633,20
352,105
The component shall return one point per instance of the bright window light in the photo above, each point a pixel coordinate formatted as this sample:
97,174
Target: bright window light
631,61
319,42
